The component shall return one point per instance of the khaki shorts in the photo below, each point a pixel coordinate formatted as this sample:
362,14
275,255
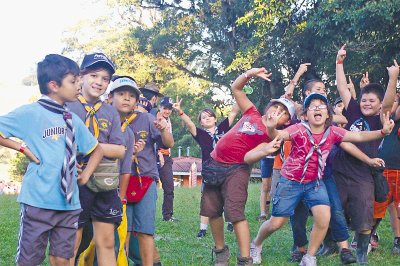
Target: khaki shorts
40,226
229,198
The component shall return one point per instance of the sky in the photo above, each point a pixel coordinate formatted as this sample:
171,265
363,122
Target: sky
29,30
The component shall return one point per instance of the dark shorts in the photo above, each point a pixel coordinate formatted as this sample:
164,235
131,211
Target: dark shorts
266,165
103,207
40,226
357,200
229,198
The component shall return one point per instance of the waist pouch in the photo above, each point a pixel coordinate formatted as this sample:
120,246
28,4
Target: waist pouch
105,177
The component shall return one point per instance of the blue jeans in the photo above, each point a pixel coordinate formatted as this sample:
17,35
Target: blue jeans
338,224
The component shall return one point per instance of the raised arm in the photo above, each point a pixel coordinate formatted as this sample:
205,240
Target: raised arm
341,81
289,89
390,93
352,89
185,118
232,115
354,151
237,87
365,136
262,150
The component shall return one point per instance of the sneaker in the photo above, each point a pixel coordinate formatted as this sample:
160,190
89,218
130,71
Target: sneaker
374,241
221,256
262,218
297,255
328,249
396,247
244,261
347,257
308,260
229,227
171,219
201,233
255,253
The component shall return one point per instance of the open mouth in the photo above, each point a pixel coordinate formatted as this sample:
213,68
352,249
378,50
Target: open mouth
317,116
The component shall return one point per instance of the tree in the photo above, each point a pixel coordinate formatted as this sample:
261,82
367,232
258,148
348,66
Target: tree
18,166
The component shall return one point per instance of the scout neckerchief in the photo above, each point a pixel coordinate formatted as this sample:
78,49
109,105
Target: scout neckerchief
314,147
91,114
127,122
214,136
67,170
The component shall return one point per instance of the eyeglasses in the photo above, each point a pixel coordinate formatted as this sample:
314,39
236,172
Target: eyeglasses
313,107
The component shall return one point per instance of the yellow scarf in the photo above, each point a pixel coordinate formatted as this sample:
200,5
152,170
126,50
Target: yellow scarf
91,114
128,121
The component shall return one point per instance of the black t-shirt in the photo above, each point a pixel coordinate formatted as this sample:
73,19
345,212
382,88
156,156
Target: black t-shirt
390,148
207,142
344,162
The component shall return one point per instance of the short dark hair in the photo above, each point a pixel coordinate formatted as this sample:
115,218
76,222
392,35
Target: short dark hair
54,67
207,111
309,84
374,88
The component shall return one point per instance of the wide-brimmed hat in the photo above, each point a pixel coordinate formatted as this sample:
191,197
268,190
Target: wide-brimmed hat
152,87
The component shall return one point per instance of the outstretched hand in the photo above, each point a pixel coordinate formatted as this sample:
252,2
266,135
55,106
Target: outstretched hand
160,122
274,145
341,54
364,80
388,123
139,146
259,72
177,105
393,70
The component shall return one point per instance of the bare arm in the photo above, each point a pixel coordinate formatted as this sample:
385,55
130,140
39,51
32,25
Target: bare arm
339,119
292,84
262,150
390,93
352,149
237,87
232,115
94,160
113,150
365,136
185,118
166,136
352,89
272,121
9,143
341,77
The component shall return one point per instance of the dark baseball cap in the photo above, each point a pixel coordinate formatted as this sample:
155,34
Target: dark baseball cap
166,102
97,58
312,96
338,100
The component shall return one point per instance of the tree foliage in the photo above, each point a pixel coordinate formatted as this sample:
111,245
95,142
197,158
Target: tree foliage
18,166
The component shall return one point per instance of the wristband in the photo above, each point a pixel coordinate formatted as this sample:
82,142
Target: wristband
246,76
383,133
22,148
293,82
339,62
181,114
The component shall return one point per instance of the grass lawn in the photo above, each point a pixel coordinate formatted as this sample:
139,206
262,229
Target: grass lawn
177,241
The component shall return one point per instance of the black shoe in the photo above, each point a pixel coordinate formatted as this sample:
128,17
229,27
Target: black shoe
297,256
347,257
201,233
328,249
170,219
229,227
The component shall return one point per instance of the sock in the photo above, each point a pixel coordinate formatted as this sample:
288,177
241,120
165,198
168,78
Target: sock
203,226
397,240
262,214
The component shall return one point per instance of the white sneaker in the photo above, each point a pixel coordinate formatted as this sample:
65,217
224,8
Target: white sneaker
255,253
308,260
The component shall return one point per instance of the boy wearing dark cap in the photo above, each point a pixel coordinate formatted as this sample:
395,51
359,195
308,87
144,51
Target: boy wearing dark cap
151,92
102,209
49,197
166,174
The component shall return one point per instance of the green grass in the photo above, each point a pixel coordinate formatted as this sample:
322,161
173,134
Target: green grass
177,241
